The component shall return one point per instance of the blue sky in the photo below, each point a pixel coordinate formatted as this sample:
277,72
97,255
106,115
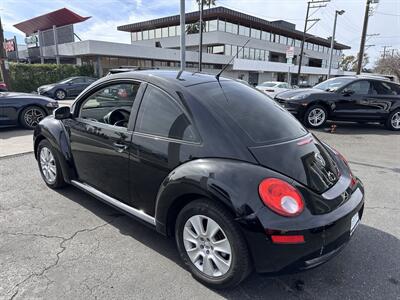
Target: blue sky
108,14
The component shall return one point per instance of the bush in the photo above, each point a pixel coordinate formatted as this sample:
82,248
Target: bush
28,77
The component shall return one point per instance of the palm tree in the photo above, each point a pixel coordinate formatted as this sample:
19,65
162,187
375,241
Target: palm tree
208,3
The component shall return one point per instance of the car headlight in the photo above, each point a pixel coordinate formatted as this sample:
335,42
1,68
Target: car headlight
300,97
52,104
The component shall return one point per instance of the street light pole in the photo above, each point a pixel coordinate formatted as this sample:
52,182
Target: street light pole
338,12
183,41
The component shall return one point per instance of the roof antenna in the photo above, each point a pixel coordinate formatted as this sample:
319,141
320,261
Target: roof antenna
224,67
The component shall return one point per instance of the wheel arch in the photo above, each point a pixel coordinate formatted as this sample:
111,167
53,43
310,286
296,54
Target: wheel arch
322,103
54,132
233,184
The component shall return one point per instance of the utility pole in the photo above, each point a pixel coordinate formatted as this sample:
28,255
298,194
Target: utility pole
183,37
201,35
364,34
384,50
310,5
3,60
337,12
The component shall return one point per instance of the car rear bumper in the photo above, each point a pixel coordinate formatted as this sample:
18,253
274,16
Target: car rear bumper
321,242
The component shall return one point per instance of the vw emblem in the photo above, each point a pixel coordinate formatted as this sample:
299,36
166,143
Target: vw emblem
331,176
320,159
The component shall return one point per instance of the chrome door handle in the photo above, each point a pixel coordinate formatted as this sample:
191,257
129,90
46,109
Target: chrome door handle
119,147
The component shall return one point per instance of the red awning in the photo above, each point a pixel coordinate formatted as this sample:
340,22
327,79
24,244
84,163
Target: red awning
59,17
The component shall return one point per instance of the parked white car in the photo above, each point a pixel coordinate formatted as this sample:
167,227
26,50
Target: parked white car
271,88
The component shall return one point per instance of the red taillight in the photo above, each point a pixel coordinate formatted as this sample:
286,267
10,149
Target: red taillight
287,239
281,197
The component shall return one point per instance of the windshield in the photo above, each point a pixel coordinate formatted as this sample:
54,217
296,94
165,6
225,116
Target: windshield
268,84
65,80
332,85
259,117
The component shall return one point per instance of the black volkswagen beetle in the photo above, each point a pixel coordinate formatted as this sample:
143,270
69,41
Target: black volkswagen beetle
348,98
232,176
23,109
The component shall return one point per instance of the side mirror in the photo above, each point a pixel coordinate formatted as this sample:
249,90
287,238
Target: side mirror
347,92
63,112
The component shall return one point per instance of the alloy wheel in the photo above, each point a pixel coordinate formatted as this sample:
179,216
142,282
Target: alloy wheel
33,116
395,121
48,165
316,117
60,95
207,246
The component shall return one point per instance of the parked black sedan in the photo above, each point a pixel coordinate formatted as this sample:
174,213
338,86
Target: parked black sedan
23,109
348,98
234,177
68,87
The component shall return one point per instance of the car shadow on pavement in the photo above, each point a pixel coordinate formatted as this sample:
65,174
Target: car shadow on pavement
349,128
367,268
12,132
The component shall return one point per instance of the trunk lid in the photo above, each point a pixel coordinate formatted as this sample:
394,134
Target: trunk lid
304,159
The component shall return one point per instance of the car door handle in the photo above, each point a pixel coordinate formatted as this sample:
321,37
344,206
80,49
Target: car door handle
119,147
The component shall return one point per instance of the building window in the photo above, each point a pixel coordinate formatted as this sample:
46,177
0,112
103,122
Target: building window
213,25
158,33
139,36
151,34
298,43
221,25
283,40
251,53
145,34
231,28
216,49
133,37
234,50
172,31
244,30
246,53
228,50
164,32
255,33
266,36
257,54
290,41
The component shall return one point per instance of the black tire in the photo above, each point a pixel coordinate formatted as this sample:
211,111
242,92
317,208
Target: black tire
59,179
31,116
314,109
60,94
389,124
240,266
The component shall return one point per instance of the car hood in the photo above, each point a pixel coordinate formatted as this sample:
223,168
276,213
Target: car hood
286,95
15,95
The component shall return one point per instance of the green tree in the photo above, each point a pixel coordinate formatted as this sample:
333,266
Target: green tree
208,3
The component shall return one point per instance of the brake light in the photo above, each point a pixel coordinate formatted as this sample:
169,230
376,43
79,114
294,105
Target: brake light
287,239
281,197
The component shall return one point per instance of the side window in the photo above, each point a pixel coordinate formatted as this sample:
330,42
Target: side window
387,88
159,115
361,87
111,105
78,80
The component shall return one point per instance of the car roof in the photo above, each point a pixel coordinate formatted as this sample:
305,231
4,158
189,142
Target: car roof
174,77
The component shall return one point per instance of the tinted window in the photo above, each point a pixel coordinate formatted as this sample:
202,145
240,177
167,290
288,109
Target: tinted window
78,80
361,87
160,115
99,105
261,118
387,88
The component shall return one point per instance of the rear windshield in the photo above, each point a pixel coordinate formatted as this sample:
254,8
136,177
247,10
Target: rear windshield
260,117
268,84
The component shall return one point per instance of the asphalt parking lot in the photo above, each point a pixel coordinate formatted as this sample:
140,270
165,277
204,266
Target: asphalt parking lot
67,245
